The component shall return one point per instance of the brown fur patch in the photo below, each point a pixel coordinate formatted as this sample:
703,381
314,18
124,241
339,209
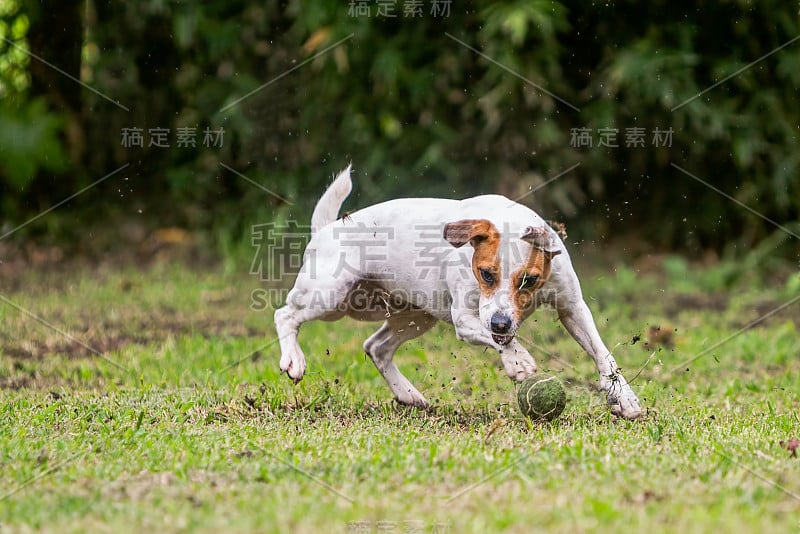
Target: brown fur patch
538,265
485,239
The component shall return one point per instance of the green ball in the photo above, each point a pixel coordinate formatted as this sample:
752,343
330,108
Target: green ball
541,397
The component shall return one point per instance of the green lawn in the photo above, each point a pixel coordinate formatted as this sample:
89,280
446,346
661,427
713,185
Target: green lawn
164,410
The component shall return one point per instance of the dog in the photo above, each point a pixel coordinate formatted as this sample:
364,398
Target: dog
482,264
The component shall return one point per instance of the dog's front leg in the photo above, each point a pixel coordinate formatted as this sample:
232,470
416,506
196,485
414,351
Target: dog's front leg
577,319
517,361
469,328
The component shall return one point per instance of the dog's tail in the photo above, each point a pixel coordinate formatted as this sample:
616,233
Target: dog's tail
327,209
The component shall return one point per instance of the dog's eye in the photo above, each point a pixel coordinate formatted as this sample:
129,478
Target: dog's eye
487,276
527,281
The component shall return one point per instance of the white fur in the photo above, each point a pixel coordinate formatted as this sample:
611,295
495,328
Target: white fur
399,245
327,209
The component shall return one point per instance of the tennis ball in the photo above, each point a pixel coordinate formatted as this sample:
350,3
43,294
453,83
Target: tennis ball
541,397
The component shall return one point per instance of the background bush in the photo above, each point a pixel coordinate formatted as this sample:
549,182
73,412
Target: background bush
417,111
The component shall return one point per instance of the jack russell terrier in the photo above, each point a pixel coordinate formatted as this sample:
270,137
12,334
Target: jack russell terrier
405,262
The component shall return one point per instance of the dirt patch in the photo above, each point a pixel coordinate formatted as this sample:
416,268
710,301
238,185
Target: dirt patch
139,246
680,302
109,337
768,312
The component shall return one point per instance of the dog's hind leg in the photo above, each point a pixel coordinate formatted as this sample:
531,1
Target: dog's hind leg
308,300
382,345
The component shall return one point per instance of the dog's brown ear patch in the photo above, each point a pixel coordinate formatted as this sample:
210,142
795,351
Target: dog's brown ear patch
460,233
537,269
539,237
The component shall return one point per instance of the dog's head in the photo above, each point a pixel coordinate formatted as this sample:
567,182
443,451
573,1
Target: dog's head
509,270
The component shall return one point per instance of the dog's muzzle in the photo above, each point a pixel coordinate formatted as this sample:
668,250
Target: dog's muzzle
501,326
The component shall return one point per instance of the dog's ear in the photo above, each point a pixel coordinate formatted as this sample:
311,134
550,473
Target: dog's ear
539,237
472,231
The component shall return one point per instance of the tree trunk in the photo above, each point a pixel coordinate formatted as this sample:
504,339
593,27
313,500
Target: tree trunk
56,36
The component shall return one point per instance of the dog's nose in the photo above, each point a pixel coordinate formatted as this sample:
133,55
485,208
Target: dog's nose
500,323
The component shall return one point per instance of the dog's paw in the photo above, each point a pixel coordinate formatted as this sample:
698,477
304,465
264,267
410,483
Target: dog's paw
622,400
517,362
519,369
412,398
626,407
295,368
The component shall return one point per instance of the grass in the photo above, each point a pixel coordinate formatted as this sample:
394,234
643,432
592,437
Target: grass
168,413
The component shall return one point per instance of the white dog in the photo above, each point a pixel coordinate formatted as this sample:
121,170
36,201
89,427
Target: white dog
404,262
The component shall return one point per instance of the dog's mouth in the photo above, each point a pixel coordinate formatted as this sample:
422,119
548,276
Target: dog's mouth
502,339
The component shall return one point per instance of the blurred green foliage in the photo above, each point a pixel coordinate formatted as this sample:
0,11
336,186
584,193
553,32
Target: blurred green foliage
14,25
28,142
487,98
